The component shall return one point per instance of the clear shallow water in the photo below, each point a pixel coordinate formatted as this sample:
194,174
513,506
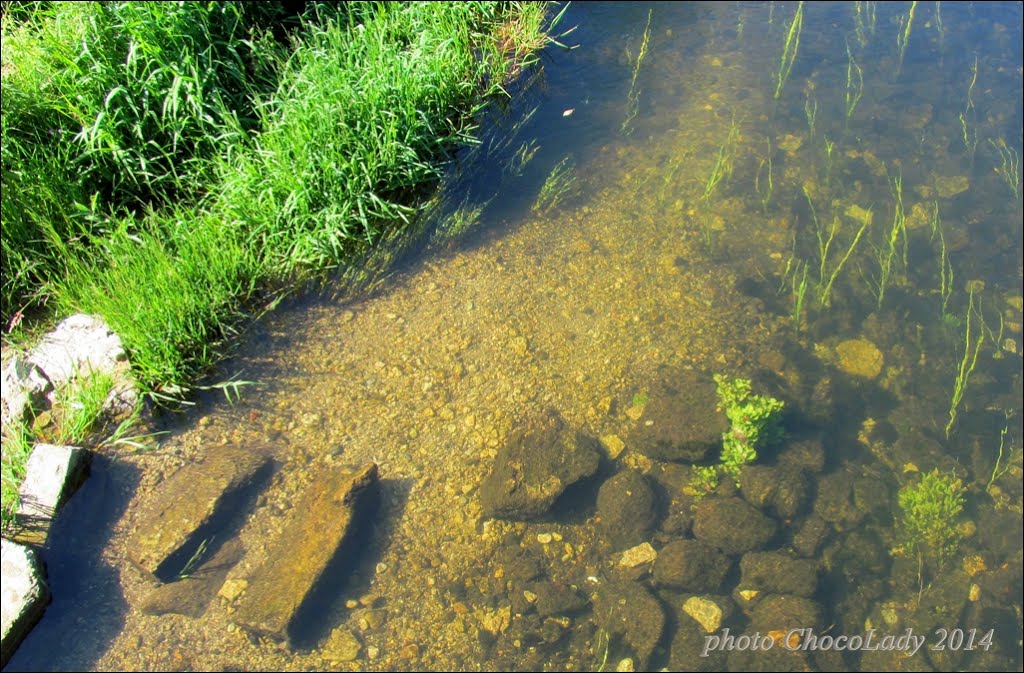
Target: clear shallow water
647,267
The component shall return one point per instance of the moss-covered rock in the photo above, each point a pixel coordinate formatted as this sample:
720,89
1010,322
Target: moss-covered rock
783,489
691,565
626,506
680,421
860,357
732,525
778,573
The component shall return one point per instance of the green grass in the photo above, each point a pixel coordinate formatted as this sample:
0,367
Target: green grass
15,454
117,106
171,166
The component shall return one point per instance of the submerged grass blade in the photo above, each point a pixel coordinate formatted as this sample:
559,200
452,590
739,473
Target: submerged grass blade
633,97
789,50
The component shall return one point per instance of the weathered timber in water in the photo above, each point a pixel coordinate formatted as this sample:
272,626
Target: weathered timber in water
190,501
535,466
308,543
191,594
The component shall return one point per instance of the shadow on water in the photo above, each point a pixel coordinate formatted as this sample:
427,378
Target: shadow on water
87,598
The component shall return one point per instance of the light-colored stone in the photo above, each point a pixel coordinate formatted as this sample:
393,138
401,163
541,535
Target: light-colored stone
860,357
79,345
704,612
614,445
341,646
494,621
862,216
25,390
638,555
949,186
52,474
232,589
23,598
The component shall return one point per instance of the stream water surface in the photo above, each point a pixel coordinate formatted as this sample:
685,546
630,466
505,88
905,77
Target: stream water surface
824,198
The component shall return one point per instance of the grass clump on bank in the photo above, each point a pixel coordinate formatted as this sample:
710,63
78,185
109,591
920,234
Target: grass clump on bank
165,162
111,108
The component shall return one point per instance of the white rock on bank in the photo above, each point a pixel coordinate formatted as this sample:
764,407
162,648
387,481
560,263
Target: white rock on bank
23,598
25,390
80,345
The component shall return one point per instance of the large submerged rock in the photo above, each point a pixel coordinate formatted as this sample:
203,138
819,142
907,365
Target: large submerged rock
191,501
732,525
778,573
785,489
626,505
535,466
628,611
691,565
311,538
681,421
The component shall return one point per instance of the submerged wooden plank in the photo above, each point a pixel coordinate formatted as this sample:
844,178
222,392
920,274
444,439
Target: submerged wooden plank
298,557
191,499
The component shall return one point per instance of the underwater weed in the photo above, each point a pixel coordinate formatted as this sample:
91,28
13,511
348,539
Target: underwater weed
967,117
887,256
1009,167
928,523
799,290
811,112
522,156
196,560
722,170
945,266
789,49
903,37
754,421
929,511
633,97
864,21
560,183
764,187
854,84
972,346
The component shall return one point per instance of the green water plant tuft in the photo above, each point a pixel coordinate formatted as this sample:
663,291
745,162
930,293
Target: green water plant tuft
753,422
928,513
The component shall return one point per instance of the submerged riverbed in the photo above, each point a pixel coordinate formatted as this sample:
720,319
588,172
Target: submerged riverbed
823,198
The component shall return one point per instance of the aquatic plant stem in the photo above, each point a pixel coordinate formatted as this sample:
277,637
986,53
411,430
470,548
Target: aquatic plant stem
899,231
904,36
967,364
823,298
633,97
854,85
789,49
